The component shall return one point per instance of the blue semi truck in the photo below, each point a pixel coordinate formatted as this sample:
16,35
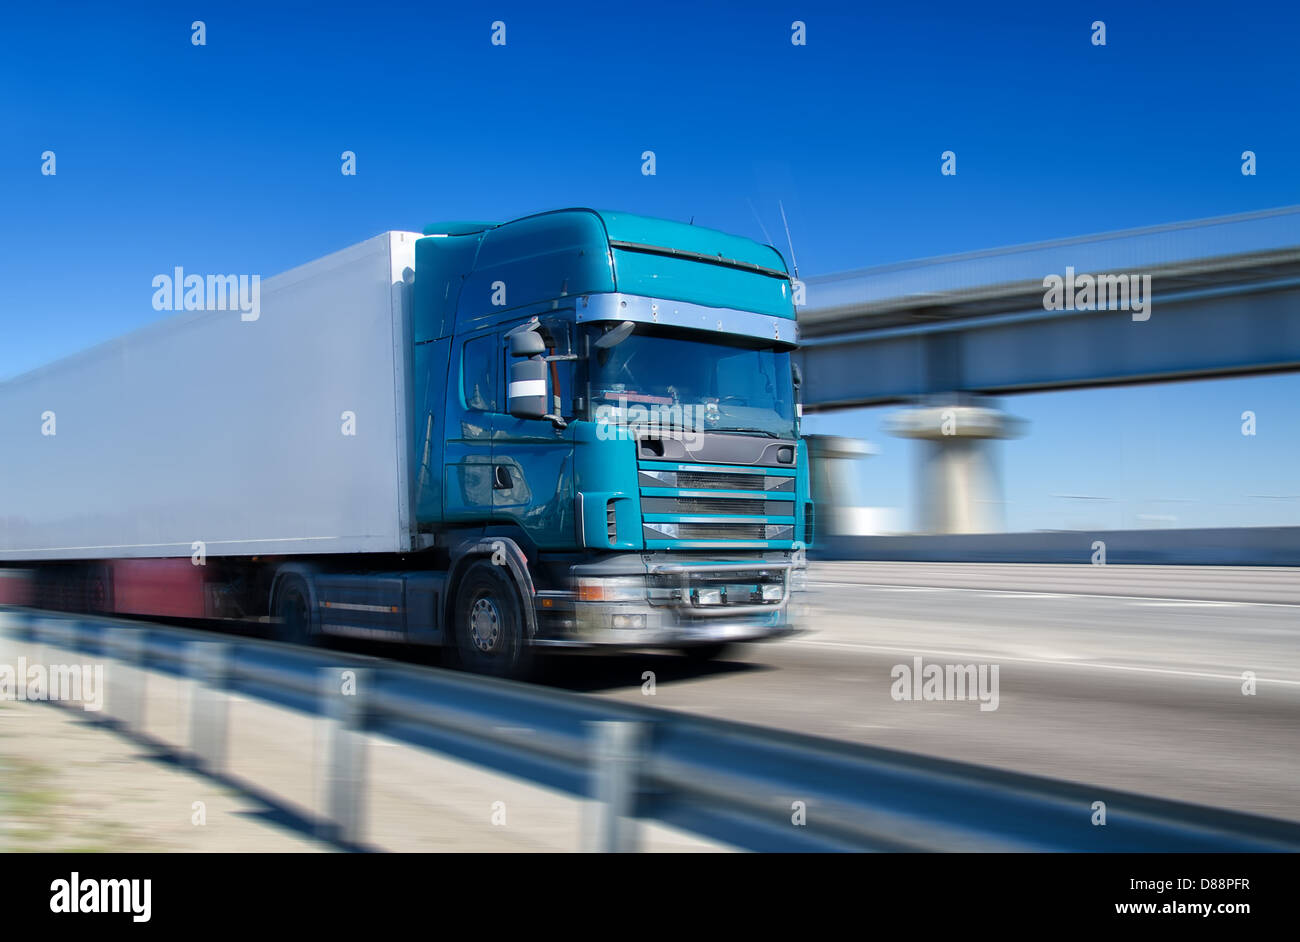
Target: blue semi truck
578,429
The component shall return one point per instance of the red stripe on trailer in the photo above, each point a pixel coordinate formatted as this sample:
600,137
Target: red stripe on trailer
171,587
16,587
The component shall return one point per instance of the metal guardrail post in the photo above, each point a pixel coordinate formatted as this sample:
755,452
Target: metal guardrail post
58,644
126,687
43,631
341,776
17,630
615,768
53,637
209,704
11,625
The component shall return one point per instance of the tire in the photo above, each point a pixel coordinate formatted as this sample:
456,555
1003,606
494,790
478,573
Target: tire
701,653
488,622
293,621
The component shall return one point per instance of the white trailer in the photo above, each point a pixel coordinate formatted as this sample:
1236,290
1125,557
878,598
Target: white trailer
286,434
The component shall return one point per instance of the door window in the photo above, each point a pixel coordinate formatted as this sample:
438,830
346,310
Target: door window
478,373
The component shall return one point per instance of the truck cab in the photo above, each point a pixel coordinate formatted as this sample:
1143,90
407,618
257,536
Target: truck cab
606,434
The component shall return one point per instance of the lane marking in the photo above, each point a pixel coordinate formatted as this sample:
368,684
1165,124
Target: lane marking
1188,604
1053,595
883,588
989,658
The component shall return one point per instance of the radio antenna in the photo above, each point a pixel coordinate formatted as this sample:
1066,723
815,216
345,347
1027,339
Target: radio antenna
759,221
793,263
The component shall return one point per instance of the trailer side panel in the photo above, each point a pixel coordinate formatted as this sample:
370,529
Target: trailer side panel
210,433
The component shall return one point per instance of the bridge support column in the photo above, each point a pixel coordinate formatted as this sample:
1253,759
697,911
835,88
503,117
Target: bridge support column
959,490
836,491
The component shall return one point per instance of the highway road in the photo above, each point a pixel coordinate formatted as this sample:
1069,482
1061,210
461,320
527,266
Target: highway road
1129,678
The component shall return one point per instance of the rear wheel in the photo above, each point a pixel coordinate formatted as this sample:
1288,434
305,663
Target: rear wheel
488,620
293,612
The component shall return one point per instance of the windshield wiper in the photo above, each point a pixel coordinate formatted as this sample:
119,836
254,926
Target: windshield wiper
747,431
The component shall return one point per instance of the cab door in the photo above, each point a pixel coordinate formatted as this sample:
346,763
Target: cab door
473,401
532,459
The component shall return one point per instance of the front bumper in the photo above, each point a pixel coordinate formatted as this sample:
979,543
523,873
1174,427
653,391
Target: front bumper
676,637
670,604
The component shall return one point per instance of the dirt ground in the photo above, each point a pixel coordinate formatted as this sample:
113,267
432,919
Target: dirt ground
66,785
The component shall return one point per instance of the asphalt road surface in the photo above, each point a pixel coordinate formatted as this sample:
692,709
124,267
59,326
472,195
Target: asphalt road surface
1130,678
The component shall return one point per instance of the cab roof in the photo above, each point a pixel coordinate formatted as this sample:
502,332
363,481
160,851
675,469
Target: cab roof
644,232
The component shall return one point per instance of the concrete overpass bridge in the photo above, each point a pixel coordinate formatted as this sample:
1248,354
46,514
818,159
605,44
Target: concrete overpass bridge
1210,297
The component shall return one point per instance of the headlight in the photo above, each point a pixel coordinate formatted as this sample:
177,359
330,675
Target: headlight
613,589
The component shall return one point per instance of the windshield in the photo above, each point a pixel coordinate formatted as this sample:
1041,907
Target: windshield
705,385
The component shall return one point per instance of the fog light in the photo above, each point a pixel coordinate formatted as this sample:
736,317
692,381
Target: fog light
709,596
771,593
629,621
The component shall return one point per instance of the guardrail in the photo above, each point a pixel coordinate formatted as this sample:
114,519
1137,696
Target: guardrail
754,788
1190,547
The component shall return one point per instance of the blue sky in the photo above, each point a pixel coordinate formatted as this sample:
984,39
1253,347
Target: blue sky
225,158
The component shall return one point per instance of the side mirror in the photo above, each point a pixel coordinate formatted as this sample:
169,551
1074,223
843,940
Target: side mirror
527,394
797,375
527,343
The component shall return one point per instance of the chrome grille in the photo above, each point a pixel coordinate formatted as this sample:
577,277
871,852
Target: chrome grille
721,531
720,480
764,495
689,505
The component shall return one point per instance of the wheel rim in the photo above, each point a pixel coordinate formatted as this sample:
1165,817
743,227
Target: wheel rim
485,628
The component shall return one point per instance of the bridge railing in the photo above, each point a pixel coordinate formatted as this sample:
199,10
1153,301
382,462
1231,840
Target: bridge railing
1243,235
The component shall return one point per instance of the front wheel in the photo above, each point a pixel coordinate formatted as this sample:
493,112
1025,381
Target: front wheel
491,633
